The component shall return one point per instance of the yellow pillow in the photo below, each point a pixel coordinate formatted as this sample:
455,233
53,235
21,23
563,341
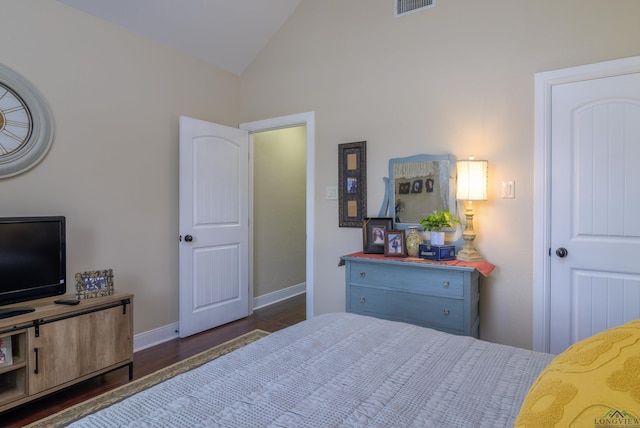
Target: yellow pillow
595,382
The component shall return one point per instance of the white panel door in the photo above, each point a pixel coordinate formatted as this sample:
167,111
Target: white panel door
595,201
214,225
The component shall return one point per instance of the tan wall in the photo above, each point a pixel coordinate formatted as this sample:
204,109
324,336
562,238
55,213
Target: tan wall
279,210
113,167
456,78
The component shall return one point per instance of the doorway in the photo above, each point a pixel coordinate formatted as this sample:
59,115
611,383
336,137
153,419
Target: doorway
308,121
278,226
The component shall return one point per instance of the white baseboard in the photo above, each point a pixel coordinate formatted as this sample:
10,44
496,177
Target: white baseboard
160,335
276,296
156,336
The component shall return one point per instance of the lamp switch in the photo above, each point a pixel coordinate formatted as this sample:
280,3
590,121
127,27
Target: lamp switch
508,189
332,193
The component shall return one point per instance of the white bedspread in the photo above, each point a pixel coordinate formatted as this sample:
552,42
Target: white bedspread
342,370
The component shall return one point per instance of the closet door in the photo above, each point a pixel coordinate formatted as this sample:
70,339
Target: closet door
595,198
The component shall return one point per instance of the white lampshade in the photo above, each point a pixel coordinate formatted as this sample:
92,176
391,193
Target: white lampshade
472,180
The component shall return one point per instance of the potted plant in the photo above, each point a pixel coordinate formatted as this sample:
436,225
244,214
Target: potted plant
435,222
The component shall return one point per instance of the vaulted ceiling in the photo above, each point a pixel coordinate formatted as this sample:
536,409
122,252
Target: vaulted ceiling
225,33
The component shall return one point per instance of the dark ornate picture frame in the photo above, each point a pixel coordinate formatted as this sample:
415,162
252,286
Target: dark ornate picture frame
395,243
373,229
95,283
352,184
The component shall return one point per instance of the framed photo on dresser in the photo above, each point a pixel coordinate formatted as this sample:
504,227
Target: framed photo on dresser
394,243
373,230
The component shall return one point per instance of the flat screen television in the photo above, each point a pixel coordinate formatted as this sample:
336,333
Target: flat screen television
32,259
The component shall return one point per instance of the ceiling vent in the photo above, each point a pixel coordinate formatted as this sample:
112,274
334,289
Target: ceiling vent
404,7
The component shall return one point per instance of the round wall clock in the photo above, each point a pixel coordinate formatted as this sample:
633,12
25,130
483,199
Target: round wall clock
26,124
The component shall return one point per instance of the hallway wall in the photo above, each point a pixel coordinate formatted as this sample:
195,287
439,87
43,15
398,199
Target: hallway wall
279,209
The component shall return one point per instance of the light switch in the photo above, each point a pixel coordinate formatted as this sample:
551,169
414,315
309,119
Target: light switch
508,189
332,193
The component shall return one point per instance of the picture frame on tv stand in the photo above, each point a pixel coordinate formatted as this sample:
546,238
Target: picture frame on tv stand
6,352
95,283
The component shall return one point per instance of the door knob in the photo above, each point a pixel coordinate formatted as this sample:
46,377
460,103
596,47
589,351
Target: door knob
561,252
188,238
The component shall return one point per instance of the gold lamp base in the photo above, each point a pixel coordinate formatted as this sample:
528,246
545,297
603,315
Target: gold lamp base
468,253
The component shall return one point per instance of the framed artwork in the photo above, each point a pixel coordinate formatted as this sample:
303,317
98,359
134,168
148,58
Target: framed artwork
95,283
352,184
394,243
373,230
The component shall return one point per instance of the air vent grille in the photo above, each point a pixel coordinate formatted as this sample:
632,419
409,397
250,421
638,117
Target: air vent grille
407,6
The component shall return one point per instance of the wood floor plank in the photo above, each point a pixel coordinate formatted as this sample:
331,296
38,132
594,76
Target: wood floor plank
271,318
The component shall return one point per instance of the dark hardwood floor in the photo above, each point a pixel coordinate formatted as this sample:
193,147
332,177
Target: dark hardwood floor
271,318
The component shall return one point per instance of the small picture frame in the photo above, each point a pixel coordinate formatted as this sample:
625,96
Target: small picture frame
6,352
373,230
96,283
394,243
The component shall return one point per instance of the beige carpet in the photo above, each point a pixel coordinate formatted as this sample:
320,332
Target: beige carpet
99,402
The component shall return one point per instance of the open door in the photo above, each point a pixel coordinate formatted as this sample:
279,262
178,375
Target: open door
214,225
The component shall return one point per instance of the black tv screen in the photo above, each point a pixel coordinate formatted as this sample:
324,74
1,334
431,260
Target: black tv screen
32,258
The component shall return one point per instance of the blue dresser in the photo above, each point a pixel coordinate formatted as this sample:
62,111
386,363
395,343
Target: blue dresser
431,294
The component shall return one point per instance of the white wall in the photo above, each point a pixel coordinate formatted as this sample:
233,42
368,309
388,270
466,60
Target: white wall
457,78
113,166
279,214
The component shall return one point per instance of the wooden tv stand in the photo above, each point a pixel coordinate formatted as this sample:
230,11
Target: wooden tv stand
56,345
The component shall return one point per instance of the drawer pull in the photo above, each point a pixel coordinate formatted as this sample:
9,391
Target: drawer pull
445,283
362,274
362,300
446,311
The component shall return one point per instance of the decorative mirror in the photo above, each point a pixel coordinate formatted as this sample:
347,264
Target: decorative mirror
417,186
26,124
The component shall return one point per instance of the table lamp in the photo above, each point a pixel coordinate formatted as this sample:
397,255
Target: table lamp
472,186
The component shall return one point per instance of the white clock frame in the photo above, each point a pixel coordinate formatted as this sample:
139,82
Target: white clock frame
41,136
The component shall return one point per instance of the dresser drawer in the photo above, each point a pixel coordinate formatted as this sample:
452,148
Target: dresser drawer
418,309
445,283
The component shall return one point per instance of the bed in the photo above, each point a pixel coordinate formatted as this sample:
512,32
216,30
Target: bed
343,370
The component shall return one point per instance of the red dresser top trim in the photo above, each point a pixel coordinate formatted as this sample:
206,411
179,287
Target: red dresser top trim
484,267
